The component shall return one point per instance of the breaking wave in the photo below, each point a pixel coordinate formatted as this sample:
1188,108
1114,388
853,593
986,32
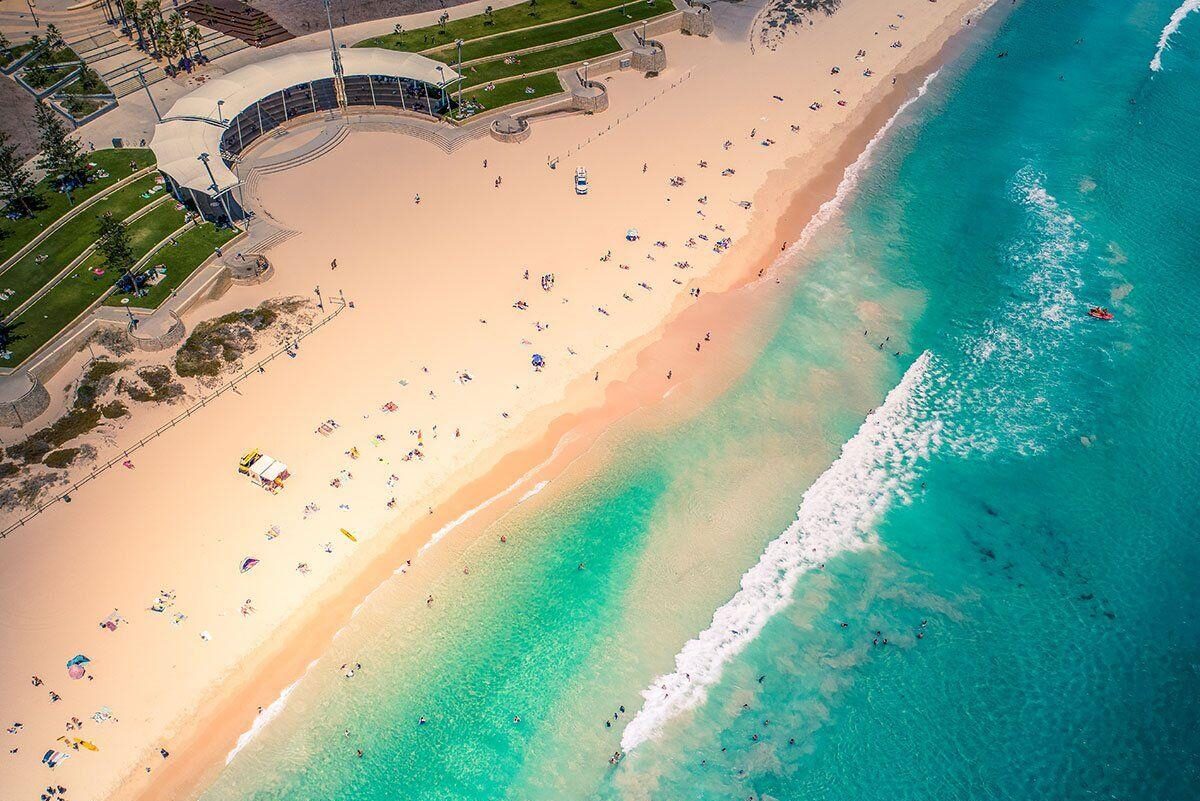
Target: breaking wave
855,170
995,398
1169,30
836,515
266,716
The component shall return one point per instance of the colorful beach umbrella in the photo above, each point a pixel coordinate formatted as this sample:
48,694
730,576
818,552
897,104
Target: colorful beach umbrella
248,563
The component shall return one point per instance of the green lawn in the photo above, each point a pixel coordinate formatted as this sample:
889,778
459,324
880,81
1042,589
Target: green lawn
194,247
13,53
27,275
80,107
532,37
505,19
88,83
15,234
42,321
59,55
550,58
514,91
40,77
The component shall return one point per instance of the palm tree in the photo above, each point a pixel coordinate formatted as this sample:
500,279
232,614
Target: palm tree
155,25
194,37
131,12
178,38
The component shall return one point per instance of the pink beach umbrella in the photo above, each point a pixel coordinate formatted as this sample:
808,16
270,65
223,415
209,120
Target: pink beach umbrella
76,671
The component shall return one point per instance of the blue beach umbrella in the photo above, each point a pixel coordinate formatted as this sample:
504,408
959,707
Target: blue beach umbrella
538,361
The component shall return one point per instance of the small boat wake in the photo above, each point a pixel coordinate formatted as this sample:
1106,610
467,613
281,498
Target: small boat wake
1169,30
837,514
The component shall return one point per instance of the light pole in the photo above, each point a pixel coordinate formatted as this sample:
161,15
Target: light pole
320,305
203,158
33,11
585,70
442,85
220,113
459,42
339,86
146,86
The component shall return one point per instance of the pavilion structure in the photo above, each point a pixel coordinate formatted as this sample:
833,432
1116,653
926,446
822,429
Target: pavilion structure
199,142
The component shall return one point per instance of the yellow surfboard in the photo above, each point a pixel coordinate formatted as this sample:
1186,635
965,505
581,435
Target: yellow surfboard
350,536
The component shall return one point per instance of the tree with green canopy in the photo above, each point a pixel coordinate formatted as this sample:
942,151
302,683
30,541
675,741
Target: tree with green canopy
112,241
17,188
61,156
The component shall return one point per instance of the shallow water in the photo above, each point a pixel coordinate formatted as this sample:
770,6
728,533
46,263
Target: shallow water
1015,517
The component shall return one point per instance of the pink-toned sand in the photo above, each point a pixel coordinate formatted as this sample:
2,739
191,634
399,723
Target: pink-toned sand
433,330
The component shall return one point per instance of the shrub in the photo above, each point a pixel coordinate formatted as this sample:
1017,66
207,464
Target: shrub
61,459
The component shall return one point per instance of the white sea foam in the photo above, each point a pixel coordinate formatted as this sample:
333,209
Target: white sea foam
467,515
836,515
1169,30
854,171
266,716
538,487
1013,357
972,16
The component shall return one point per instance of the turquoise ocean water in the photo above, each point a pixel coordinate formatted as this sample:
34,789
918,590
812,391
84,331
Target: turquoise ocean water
1015,517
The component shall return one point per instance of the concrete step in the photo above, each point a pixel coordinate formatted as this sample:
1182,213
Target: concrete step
131,84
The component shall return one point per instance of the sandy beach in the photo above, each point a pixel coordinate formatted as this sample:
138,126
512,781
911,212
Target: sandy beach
450,306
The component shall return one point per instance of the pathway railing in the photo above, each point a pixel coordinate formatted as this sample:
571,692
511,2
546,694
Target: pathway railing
100,469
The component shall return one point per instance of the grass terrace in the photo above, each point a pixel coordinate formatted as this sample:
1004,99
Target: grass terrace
88,83
510,92
28,274
72,296
550,58
559,32
41,76
14,53
503,20
192,248
80,107
48,57
15,234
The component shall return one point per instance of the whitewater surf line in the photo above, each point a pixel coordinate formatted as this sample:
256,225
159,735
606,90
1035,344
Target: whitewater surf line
267,715
1169,30
854,171
837,514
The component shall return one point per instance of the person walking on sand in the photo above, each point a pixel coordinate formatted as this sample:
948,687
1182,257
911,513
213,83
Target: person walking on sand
333,264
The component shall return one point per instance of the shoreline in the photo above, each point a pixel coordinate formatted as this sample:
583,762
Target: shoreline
526,461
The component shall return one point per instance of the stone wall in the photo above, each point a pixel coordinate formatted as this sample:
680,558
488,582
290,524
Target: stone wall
26,406
590,97
698,21
502,130
159,336
650,57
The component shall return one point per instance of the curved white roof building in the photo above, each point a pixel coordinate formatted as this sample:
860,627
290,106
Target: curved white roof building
230,111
